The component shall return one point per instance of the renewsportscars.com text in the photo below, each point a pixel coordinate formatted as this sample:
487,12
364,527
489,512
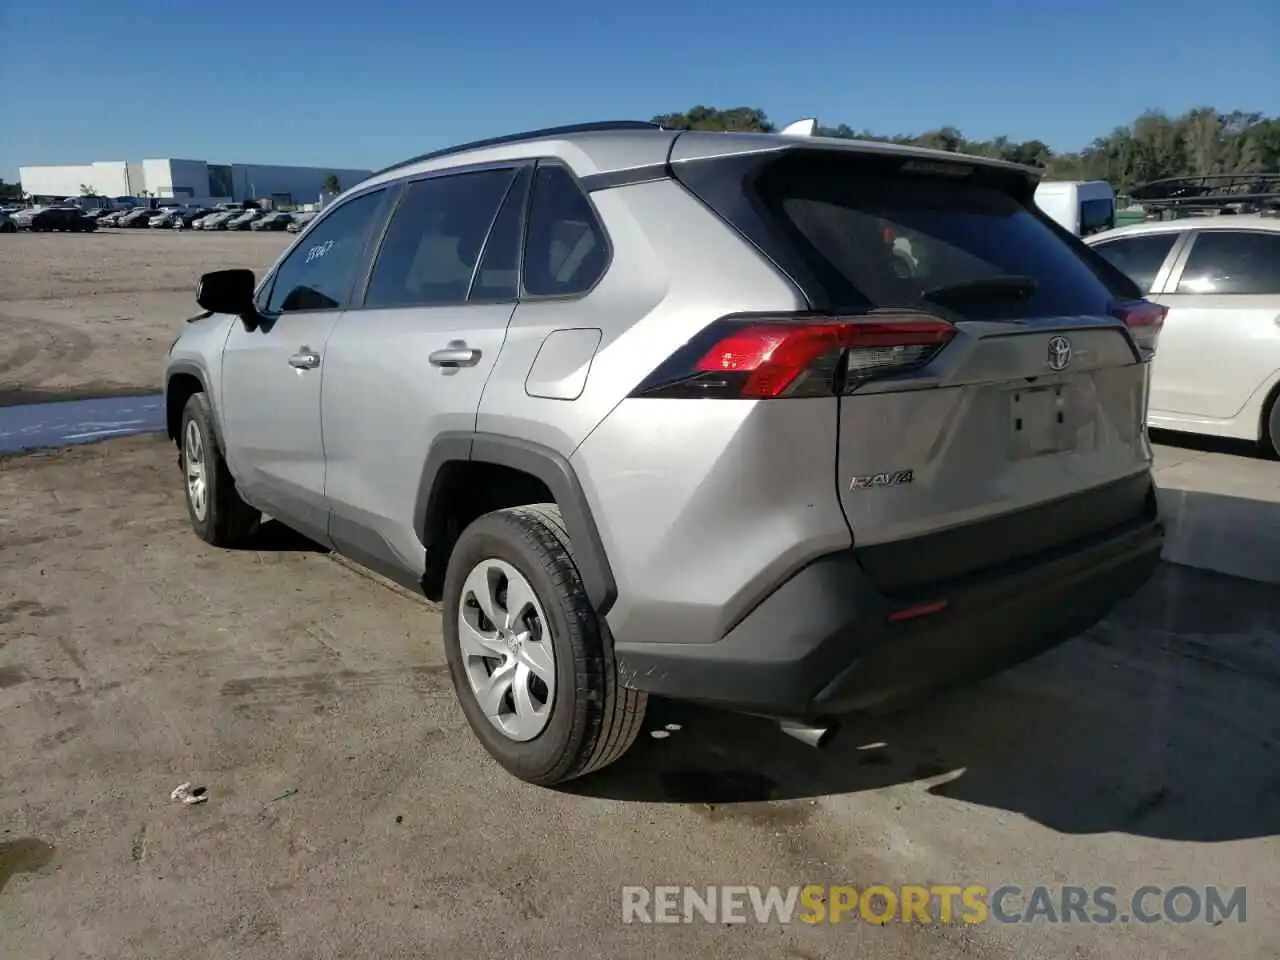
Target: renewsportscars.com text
935,903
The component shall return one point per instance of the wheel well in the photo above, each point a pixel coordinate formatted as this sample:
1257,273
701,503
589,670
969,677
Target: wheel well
182,386
464,491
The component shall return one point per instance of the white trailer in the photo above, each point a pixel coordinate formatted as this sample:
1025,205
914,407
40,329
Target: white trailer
1081,206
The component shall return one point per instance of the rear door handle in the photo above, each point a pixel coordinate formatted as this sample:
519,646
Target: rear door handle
456,354
305,359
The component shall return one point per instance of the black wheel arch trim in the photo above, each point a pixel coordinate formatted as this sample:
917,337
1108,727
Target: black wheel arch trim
538,461
192,369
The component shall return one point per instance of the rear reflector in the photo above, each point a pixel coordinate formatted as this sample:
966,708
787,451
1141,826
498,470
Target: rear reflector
763,358
1145,321
919,610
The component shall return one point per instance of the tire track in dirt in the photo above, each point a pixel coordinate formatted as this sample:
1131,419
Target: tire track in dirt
43,349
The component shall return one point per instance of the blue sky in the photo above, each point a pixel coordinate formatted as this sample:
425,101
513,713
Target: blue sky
364,83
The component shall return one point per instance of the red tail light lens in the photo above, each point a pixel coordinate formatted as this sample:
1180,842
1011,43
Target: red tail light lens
1145,320
764,358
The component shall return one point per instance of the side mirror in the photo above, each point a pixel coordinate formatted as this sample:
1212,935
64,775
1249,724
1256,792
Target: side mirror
227,291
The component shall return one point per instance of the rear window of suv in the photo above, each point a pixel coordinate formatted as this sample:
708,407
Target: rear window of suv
875,237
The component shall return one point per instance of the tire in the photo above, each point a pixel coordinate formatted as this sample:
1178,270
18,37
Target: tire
1271,429
219,517
590,719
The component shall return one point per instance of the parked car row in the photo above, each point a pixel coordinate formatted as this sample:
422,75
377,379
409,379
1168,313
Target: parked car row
242,220
300,220
49,219
183,218
67,217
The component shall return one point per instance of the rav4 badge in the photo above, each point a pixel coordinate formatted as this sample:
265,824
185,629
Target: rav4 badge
891,479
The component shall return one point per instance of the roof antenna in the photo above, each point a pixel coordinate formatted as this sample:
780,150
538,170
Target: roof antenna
801,128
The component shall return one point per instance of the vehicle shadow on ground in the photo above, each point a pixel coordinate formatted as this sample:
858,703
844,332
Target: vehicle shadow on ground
1164,721
272,535
1205,444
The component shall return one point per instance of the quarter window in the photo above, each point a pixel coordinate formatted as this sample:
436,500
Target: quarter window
1140,258
565,248
1232,262
430,251
318,273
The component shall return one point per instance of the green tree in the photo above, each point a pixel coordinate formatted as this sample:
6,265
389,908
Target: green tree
735,120
332,184
1155,145
88,191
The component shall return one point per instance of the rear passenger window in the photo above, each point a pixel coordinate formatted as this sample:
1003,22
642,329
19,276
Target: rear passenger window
1230,261
1139,258
430,251
565,248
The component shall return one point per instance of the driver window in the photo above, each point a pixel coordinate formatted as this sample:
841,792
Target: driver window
319,271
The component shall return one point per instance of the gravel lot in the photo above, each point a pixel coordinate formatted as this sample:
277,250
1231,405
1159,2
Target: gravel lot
133,658
92,314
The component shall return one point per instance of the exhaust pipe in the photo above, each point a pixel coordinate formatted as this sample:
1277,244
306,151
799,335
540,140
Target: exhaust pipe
814,735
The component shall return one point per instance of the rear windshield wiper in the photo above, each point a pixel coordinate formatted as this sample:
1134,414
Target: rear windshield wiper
1010,287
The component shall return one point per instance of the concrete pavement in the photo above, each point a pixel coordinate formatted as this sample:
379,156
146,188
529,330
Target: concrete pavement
1222,510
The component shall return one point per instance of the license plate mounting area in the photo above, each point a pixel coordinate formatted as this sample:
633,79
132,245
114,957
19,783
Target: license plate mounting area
1042,421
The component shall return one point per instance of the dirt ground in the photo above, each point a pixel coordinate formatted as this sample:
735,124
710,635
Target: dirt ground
133,658
92,314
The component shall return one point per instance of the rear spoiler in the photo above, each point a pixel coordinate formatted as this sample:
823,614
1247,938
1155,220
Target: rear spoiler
801,128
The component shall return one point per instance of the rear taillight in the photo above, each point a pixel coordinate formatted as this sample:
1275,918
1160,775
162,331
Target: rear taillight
801,355
1144,320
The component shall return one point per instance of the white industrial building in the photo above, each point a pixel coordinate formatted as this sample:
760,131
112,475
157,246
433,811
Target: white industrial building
188,181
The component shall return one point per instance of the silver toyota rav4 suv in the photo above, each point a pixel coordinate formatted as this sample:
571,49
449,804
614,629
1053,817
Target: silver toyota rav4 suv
791,426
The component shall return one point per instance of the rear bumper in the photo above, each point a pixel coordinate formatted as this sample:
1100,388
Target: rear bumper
823,644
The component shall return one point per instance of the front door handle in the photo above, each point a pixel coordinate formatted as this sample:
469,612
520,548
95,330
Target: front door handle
305,359
456,354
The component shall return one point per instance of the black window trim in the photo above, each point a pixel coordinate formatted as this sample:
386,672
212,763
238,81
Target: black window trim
395,191
525,296
1191,235
265,292
523,180
402,187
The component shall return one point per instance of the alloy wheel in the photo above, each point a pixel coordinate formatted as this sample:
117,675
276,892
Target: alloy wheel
505,642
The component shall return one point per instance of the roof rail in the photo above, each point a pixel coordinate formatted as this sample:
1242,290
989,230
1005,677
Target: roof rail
600,126
1250,192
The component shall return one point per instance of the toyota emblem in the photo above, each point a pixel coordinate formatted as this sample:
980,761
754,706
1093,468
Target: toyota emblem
1059,353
